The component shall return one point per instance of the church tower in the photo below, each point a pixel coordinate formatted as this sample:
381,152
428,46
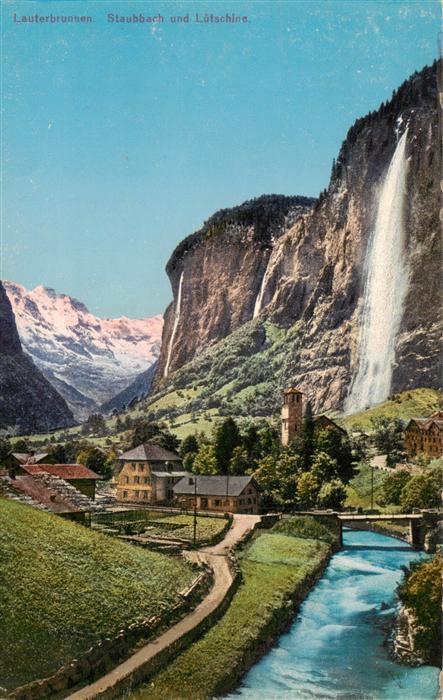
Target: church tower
291,415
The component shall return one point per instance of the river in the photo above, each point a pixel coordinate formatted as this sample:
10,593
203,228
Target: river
336,646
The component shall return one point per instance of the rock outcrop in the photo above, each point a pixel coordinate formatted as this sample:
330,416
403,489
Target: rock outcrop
302,267
28,402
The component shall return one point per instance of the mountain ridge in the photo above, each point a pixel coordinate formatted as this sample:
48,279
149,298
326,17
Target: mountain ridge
28,402
87,359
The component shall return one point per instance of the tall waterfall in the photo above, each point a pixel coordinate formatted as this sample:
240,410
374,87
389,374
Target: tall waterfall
385,291
259,299
175,326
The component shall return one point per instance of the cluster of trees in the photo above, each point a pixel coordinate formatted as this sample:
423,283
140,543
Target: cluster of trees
95,425
388,438
229,450
70,452
144,430
410,491
420,593
311,472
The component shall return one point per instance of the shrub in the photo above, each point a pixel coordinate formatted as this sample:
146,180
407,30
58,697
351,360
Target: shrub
393,486
422,491
421,594
305,527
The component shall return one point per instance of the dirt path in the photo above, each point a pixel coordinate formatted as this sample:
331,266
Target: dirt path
216,557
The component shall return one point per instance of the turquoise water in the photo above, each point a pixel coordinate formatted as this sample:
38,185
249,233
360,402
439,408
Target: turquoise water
336,646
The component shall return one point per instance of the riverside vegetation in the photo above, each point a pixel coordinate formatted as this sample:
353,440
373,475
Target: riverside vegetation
420,594
277,567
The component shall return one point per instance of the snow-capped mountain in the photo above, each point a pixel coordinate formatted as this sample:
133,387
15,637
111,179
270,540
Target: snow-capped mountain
87,359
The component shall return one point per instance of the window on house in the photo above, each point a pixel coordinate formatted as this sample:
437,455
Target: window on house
146,494
126,479
125,494
146,479
142,467
133,467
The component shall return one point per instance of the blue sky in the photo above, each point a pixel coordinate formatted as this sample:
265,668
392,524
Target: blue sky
120,140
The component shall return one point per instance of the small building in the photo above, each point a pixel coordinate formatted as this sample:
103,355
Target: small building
226,494
322,422
50,493
79,476
425,436
147,474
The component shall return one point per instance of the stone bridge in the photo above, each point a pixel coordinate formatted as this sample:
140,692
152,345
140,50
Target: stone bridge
420,524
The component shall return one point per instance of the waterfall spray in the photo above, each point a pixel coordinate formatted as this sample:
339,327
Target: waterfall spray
385,291
175,326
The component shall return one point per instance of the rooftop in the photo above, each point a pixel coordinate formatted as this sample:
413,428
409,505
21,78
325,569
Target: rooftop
46,492
425,423
292,390
64,471
29,457
212,485
149,452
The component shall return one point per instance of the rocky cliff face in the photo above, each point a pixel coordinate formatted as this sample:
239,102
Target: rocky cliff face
88,360
28,402
310,275
221,268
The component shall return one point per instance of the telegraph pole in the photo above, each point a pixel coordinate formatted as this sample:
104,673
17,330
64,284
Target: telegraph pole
195,510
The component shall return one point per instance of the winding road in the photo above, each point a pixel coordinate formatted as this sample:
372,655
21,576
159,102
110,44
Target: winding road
217,558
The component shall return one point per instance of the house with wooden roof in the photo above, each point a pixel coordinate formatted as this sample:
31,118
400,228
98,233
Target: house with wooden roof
322,422
79,476
226,494
425,436
16,459
147,475
47,492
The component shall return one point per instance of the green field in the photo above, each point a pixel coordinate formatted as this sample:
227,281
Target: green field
64,587
182,526
162,524
273,568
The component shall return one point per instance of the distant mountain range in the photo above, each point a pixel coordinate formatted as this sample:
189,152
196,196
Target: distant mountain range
28,402
87,359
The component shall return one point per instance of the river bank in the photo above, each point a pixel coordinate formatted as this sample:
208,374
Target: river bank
278,572
338,645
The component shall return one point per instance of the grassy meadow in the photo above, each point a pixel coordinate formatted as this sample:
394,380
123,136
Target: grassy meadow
64,587
273,567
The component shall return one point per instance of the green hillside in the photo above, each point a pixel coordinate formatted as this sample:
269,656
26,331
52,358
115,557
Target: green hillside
64,587
414,403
